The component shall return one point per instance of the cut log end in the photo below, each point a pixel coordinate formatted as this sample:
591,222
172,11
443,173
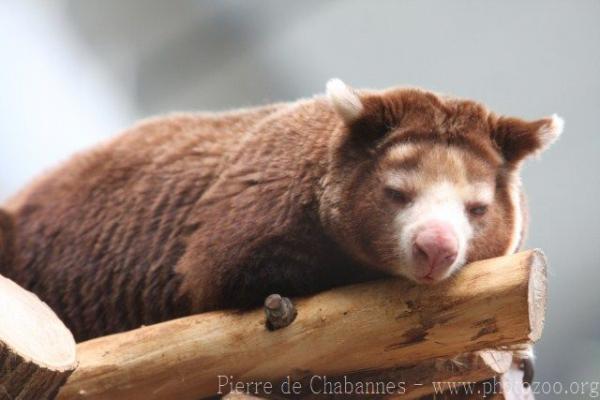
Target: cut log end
538,289
37,352
495,360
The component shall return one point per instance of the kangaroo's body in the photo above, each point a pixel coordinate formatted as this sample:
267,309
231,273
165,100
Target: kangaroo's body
196,212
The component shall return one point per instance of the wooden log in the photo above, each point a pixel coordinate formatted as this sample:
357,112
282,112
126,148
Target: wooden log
425,378
484,390
410,382
240,396
377,325
508,386
37,352
430,377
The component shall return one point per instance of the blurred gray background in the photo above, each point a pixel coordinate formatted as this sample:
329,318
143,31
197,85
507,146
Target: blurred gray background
73,72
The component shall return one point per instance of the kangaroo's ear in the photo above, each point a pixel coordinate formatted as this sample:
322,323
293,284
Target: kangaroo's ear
345,101
365,114
518,139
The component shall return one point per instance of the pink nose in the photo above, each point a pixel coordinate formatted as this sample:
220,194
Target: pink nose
435,247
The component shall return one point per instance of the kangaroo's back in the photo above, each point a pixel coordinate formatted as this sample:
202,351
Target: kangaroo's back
99,235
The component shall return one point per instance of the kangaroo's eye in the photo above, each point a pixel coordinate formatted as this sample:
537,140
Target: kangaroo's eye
477,209
398,196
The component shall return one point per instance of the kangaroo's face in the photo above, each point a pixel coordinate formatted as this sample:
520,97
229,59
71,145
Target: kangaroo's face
425,184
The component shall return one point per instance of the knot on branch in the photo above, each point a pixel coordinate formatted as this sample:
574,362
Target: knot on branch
280,312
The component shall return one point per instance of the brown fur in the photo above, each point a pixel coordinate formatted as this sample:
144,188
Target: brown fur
7,237
190,213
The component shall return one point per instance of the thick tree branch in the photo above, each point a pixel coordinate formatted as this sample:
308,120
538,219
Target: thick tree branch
371,326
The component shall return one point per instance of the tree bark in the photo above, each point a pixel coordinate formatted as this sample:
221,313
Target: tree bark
372,326
37,352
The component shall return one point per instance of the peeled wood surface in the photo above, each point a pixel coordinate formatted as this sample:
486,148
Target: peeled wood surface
376,325
417,380
472,367
240,396
37,352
